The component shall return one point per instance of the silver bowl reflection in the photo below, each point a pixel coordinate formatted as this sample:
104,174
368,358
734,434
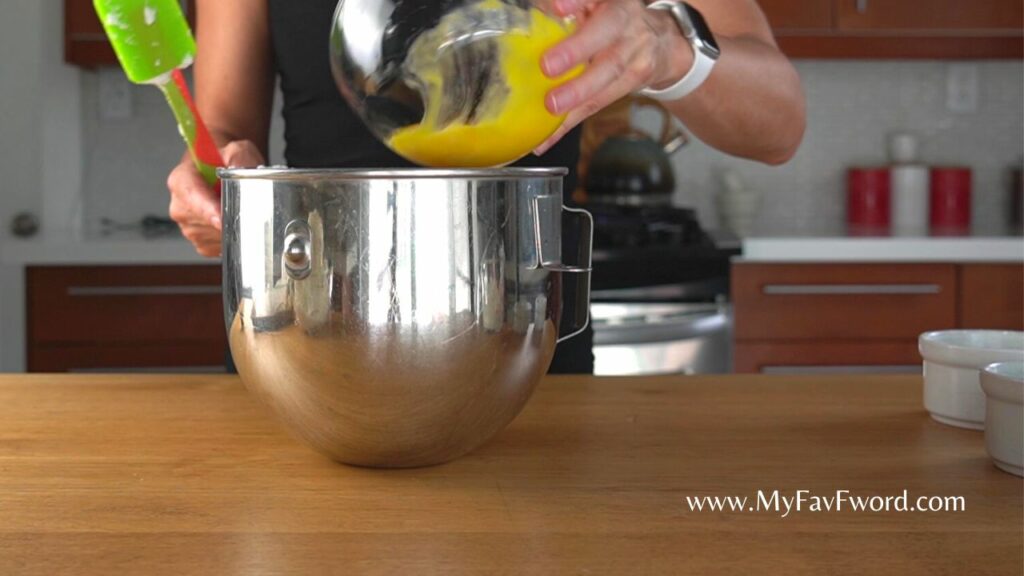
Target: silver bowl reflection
396,318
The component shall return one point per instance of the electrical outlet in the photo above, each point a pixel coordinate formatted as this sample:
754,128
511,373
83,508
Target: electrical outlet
962,88
115,94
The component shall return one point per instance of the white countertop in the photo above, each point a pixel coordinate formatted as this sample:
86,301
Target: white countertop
129,249
126,249
883,249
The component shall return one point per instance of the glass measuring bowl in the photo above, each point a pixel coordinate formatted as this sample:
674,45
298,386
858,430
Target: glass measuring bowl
449,83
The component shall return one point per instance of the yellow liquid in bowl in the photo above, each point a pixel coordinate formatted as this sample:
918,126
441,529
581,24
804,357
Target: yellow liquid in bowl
511,124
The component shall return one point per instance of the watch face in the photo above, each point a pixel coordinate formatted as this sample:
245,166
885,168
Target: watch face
700,27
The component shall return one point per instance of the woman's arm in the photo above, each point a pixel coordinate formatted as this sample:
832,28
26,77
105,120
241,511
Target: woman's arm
234,73
751,106
234,85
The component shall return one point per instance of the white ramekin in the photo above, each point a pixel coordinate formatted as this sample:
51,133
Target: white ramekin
953,360
1003,384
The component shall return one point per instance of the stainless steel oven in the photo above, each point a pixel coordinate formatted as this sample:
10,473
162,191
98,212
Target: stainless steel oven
633,338
659,293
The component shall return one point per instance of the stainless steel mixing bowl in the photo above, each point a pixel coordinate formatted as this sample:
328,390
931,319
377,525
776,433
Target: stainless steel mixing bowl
397,318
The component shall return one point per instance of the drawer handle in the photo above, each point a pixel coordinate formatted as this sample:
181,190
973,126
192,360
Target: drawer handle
862,6
94,291
857,369
849,289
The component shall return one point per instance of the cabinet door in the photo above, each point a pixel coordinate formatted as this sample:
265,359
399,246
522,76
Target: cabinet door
930,15
789,16
992,296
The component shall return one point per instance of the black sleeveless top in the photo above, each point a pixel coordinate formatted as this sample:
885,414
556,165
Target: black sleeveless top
321,131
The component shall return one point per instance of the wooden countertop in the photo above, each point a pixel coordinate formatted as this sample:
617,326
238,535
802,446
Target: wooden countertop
188,475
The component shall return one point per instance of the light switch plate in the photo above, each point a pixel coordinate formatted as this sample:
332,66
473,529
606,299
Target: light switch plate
962,88
115,94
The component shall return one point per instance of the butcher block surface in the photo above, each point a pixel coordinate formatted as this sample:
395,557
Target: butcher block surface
164,474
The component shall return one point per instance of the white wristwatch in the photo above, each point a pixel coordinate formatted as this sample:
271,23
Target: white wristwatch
705,50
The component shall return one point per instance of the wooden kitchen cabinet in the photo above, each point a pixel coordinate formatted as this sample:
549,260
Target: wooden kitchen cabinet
987,16
862,317
837,356
991,296
177,357
842,301
898,29
789,16
873,29
85,43
109,318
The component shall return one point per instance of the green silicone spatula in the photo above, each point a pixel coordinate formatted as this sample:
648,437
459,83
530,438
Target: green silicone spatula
154,44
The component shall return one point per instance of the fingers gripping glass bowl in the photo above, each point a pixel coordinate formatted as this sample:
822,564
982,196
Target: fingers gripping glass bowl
450,83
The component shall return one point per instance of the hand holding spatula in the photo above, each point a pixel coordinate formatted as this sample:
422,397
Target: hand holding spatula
154,44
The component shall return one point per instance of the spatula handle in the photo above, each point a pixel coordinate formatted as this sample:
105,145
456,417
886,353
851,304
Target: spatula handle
200,144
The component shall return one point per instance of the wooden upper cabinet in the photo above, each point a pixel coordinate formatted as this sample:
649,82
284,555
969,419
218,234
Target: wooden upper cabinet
898,29
787,15
85,42
986,16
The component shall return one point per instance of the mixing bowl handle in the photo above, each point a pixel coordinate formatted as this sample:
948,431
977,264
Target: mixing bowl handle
547,214
297,257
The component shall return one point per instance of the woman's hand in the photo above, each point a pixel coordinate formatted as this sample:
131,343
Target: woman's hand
195,205
627,46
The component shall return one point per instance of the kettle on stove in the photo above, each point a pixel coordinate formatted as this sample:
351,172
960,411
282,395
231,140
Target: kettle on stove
630,167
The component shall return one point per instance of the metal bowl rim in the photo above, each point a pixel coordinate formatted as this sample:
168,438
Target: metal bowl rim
350,174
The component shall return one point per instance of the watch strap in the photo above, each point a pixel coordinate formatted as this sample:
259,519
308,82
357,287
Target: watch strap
698,73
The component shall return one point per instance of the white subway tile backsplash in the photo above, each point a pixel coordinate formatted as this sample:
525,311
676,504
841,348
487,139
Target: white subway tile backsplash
127,161
852,107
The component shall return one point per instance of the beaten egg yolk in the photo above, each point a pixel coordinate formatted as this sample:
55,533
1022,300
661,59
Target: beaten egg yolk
506,130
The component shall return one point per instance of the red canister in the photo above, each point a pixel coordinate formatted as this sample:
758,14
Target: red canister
867,201
950,201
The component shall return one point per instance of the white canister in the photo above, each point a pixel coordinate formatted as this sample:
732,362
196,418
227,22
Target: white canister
903,148
910,185
738,206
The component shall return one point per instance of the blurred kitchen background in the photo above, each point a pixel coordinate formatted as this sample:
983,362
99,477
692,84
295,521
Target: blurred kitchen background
85,156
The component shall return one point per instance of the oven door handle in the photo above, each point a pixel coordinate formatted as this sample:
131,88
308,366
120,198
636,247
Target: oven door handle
661,329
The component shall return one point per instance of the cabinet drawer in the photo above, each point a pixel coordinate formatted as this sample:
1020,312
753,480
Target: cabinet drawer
131,305
204,357
992,296
827,357
842,301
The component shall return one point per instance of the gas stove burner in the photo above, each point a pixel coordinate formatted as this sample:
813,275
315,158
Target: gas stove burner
646,246
619,226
